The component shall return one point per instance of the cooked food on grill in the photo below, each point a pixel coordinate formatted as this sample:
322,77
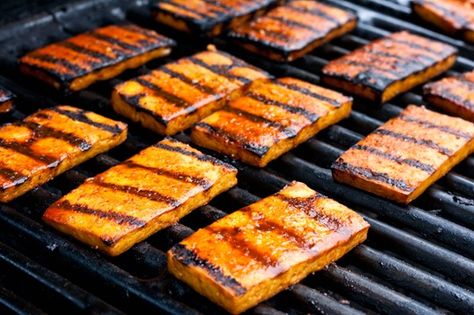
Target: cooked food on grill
49,142
6,100
208,17
134,199
178,94
290,31
389,66
101,54
455,17
270,118
453,94
258,251
403,157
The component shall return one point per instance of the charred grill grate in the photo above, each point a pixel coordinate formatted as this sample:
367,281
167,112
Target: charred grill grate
417,259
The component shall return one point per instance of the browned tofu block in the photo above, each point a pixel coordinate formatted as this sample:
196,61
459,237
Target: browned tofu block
6,100
454,94
389,66
290,31
407,154
176,95
258,251
101,54
455,17
208,17
132,200
271,118
49,142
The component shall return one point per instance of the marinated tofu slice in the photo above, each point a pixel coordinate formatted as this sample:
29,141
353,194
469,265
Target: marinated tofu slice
389,66
455,17
208,17
6,100
49,142
454,95
290,31
101,54
175,96
134,199
258,251
270,118
407,154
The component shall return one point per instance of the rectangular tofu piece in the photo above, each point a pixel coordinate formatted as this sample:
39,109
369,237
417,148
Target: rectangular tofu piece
208,17
270,118
381,70
134,199
6,100
173,97
49,142
260,250
455,95
290,31
407,154
101,54
455,17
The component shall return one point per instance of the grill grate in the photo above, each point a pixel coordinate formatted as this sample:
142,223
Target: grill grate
416,260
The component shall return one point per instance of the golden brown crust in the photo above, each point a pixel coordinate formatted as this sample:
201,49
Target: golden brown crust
258,251
403,157
150,191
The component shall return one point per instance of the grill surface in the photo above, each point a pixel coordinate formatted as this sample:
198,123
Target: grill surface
417,259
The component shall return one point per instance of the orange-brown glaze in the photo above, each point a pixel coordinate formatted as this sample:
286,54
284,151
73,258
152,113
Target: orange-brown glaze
290,31
403,157
6,100
176,95
49,142
258,251
270,118
150,191
389,66
101,54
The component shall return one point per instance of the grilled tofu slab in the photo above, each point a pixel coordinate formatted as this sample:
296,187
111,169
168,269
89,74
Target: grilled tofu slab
134,199
49,142
101,54
407,154
454,95
290,31
6,100
175,96
258,251
208,17
270,118
389,66
455,17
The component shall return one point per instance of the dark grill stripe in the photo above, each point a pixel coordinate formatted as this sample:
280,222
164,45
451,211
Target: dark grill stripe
406,60
185,79
134,101
75,69
15,177
308,92
81,117
114,41
414,45
292,23
86,51
169,97
189,258
24,149
223,71
42,131
315,11
429,125
411,162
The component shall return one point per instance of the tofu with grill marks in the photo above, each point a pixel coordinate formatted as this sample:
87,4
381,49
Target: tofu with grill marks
270,118
6,100
455,95
260,250
387,67
49,142
101,54
173,97
134,199
407,154
290,31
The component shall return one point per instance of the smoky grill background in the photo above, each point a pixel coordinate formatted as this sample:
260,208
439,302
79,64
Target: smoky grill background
417,260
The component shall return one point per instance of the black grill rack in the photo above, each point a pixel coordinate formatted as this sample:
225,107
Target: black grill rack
418,259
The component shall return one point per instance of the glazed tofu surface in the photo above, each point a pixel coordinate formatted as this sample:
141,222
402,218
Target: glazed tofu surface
455,95
101,54
407,154
258,251
270,118
6,100
134,199
291,30
178,94
206,17
49,142
389,66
